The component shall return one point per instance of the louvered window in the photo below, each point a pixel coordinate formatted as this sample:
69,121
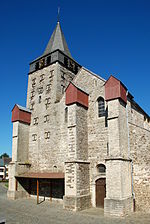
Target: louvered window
48,60
101,107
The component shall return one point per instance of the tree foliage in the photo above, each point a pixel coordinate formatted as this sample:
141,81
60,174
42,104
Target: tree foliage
4,155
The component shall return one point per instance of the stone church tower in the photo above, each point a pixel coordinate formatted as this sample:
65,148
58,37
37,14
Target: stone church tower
78,137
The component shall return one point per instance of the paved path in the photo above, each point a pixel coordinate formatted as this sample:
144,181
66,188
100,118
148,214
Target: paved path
25,211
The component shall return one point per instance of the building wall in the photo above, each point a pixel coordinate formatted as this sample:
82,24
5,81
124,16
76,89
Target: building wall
97,130
139,130
48,129
48,146
77,187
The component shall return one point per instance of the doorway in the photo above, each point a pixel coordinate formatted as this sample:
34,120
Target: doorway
100,192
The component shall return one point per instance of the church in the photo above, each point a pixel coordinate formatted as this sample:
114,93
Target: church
81,140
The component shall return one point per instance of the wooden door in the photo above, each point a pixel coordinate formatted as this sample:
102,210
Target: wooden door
100,192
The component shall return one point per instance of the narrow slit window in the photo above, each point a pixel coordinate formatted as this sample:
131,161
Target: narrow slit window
46,118
37,66
66,61
40,98
66,114
47,135
48,60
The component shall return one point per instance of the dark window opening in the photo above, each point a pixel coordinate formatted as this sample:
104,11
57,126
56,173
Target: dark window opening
106,117
46,118
34,137
36,65
101,107
76,69
66,114
35,121
40,98
48,60
101,168
47,135
66,61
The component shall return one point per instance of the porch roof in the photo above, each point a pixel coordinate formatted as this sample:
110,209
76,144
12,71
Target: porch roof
42,175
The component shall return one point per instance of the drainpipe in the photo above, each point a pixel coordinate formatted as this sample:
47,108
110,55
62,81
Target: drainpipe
133,194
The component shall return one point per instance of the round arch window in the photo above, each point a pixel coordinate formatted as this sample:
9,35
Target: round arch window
101,168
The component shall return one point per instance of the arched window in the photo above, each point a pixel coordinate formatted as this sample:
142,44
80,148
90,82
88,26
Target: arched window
101,107
101,168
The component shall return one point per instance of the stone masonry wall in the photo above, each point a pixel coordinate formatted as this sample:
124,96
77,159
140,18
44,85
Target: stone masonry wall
77,186
118,181
97,128
77,147
118,129
48,139
82,179
139,128
82,133
118,164
20,142
48,129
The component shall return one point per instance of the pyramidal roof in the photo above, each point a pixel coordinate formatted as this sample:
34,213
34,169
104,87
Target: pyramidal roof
57,42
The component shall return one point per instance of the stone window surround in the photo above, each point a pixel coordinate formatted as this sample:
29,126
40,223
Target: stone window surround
33,81
46,118
47,102
34,137
47,134
35,121
51,74
48,87
41,78
40,90
32,106
32,93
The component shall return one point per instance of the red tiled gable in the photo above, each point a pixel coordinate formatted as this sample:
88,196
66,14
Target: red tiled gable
20,115
115,89
76,95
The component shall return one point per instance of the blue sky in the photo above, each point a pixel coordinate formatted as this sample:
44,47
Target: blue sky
105,36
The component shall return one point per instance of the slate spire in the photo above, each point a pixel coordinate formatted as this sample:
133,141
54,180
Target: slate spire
57,42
